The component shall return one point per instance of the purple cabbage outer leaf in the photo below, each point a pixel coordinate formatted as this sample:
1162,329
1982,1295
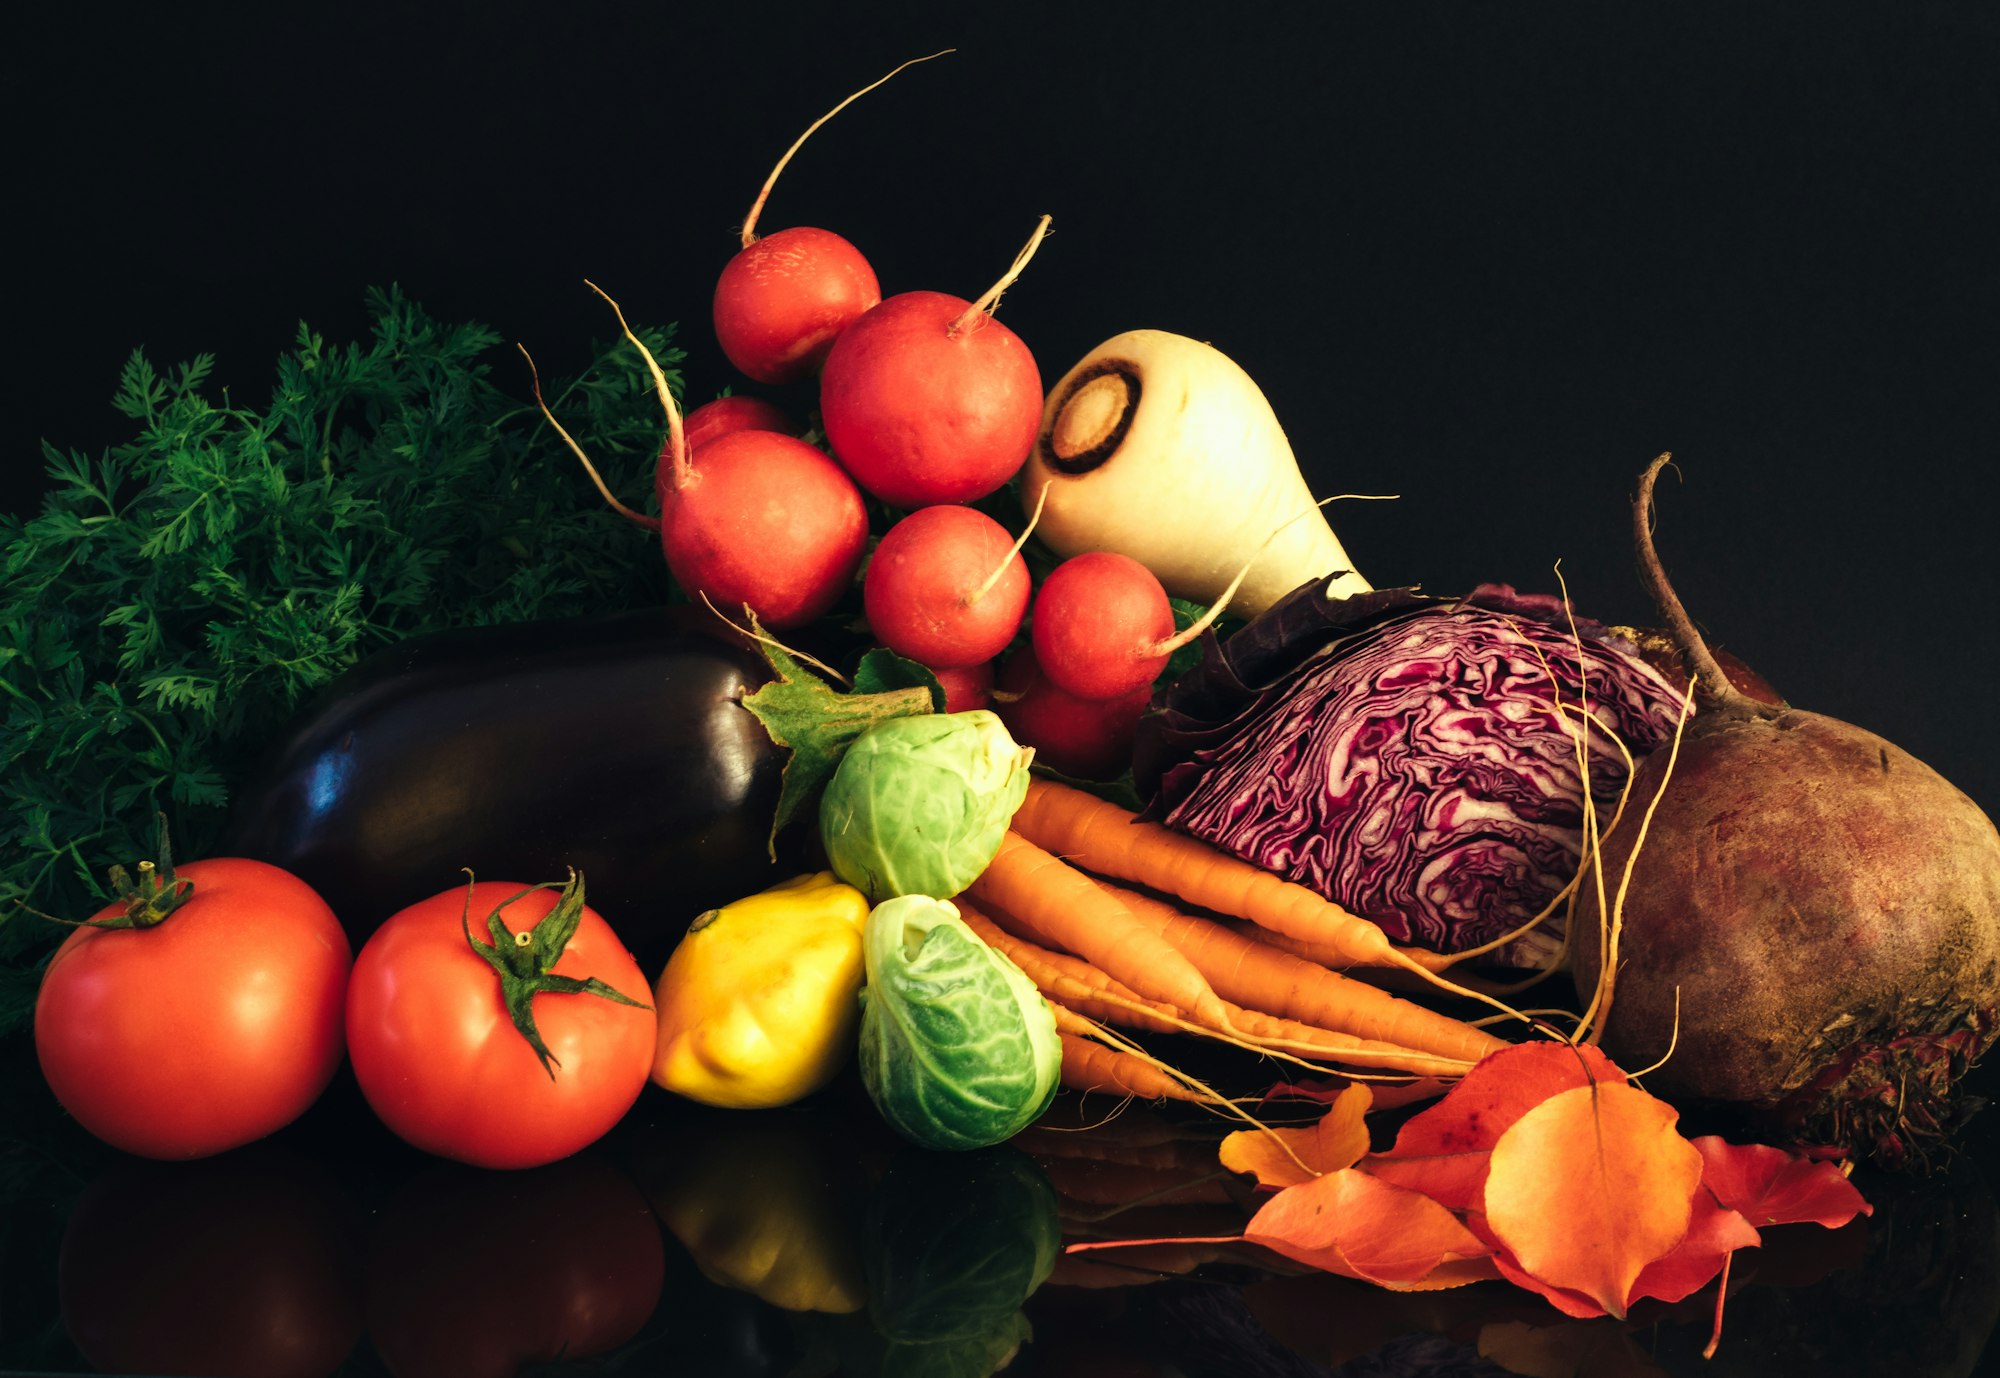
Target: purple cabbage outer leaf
1402,754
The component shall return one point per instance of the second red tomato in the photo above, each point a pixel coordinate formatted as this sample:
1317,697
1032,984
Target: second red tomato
448,1068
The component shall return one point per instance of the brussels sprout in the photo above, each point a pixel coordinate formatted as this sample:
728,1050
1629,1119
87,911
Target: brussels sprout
919,805
958,1048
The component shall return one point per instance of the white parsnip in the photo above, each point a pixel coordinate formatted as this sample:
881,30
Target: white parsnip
1162,448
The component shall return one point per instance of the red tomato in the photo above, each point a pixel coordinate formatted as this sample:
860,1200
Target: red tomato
246,1264
210,1029
443,1065
476,1276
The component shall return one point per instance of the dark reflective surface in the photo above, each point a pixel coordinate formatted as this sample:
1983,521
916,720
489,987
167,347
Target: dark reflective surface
812,1241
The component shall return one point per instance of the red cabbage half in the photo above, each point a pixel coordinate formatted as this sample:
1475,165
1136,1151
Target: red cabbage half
1402,755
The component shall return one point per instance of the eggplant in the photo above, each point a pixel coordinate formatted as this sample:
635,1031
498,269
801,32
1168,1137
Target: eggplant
616,745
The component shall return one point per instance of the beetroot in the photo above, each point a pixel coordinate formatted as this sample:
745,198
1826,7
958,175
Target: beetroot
1825,906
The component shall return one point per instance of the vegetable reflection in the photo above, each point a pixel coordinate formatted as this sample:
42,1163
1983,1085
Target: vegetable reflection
474,1272
761,1204
246,1263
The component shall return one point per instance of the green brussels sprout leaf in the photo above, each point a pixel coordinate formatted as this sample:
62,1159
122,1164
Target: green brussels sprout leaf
958,1048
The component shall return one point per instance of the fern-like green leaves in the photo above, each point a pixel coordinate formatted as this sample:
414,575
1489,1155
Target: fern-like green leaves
179,596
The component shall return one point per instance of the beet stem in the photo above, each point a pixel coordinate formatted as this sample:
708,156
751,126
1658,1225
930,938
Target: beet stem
1714,680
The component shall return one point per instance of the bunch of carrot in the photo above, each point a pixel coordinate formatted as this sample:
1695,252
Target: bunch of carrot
1099,910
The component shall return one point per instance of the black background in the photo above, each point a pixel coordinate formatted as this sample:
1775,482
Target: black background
1489,257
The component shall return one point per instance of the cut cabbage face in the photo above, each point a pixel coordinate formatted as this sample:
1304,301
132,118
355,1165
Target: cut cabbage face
1426,767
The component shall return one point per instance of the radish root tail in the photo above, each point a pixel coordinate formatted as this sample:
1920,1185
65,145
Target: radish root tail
683,463
989,301
535,385
749,231
1007,560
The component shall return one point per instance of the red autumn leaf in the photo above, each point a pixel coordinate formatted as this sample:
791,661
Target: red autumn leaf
1289,1157
1589,1187
1714,1232
1350,1223
1442,1152
1773,1187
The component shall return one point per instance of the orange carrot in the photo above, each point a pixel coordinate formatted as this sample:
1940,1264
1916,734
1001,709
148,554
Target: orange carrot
1074,986
1245,971
1054,897
1088,1065
1068,982
1099,836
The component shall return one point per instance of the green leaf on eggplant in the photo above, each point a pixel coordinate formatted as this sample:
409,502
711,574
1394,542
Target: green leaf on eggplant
816,722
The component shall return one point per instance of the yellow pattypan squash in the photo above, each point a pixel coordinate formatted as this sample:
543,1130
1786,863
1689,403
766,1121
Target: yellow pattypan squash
759,1003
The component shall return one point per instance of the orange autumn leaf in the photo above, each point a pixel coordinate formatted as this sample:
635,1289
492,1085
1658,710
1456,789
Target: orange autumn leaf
1359,1226
1714,1233
1288,1157
1442,1151
1590,1186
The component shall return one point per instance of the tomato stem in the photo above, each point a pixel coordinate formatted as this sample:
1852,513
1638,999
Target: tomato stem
525,960
148,901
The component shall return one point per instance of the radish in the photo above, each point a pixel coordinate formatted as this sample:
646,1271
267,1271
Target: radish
765,520
1087,739
967,687
946,587
726,414
782,299
754,518
928,399
1103,628
1805,921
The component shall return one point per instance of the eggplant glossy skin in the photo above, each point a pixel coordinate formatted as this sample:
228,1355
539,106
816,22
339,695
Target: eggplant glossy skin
616,745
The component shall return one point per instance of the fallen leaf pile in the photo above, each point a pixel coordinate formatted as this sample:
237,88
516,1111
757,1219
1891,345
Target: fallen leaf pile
1544,1166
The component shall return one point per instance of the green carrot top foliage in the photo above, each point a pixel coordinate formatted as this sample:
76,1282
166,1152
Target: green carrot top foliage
178,596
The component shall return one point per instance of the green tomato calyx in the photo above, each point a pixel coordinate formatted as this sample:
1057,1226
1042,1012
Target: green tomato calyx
147,902
525,960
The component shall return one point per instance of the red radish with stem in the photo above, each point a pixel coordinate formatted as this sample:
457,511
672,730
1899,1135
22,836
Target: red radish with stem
1086,739
726,414
783,298
927,398
1103,627
947,587
1102,624
755,518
